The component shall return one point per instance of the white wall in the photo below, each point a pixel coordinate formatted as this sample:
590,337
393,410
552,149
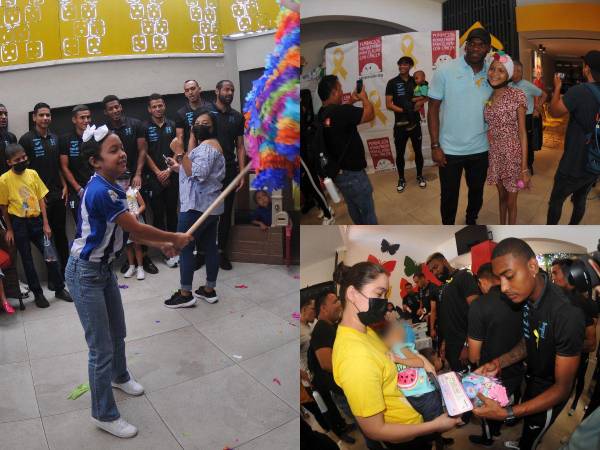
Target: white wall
317,273
69,84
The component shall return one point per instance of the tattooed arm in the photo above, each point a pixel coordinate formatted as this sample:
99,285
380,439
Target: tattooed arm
516,354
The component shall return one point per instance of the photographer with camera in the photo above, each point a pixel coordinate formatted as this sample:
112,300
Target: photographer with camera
575,175
342,151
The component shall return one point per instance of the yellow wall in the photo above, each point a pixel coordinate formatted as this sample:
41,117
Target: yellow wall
32,31
559,16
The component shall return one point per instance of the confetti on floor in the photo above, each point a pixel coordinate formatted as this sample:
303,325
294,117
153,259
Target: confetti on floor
123,286
296,277
157,321
241,286
296,315
276,380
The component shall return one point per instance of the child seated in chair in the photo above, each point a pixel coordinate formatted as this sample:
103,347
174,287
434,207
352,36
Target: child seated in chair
262,215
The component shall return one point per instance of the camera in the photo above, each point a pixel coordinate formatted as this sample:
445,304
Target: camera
561,75
582,275
359,86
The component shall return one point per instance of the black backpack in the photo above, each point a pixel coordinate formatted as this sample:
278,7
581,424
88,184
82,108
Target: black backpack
592,139
329,164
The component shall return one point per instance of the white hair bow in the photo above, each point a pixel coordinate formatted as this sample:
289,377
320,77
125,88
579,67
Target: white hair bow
98,133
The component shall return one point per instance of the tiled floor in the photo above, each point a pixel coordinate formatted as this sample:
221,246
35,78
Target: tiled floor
417,206
222,375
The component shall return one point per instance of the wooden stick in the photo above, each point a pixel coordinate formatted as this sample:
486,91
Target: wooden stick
219,199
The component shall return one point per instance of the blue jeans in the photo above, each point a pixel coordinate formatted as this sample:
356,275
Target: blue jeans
30,231
358,193
97,299
206,238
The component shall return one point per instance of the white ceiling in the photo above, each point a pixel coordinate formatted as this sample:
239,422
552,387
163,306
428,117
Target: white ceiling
574,48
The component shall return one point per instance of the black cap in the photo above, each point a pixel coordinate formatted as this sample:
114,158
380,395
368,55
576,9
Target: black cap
481,33
592,59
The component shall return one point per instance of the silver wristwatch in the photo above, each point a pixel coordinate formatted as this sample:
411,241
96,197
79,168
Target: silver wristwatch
511,414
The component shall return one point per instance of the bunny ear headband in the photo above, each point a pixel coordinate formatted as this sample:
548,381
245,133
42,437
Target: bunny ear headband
506,61
97,133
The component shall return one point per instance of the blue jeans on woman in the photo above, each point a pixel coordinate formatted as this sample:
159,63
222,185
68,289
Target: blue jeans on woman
95,292
206,238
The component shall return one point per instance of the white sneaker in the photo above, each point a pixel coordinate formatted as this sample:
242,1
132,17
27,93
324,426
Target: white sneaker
327,221
130,387
140,273
512,444
119,427
129,272
172,262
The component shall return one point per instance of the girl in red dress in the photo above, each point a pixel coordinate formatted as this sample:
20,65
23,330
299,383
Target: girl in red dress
505,114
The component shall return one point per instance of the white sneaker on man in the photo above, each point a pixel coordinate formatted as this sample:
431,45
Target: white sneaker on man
119,427
172,262
129,272
140,273
130,387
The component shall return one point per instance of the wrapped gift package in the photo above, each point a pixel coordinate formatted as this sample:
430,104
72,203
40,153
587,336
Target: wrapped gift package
455,398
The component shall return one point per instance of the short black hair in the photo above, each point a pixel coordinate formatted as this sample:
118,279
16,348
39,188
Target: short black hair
515,247
110,98
202,112
256,192
222,82
305,301
39,106
321,300
12,149
155,96
436,255
79,108
516,62
564,264
193,81
2,106
485,271
326,86
406,60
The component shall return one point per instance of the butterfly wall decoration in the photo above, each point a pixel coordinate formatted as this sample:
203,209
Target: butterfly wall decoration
386,247
388,266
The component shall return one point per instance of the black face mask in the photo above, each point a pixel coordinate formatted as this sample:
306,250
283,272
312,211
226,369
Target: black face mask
376,311
202,132
20,167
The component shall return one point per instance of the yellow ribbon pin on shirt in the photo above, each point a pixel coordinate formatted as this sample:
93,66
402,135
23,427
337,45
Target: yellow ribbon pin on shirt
407,49
376,101
338,63
537,337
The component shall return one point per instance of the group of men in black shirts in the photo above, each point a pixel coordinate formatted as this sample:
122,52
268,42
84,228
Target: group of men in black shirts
58,163
510,313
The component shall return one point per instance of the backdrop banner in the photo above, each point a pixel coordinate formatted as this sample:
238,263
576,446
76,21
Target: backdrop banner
374,60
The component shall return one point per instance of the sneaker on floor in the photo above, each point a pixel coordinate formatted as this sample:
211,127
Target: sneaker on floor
180,301
130,387
209,297
130,272
401,185
512,444
63,294
224,262
327,221
40,301
140,273
7,307
172,262
481,440
125,266
149,266
422,183
119,427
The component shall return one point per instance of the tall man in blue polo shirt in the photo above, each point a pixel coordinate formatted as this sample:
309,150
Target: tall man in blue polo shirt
460,143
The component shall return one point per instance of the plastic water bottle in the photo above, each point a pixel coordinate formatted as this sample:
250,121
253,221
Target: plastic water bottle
132,203
320,402
332,190
49,252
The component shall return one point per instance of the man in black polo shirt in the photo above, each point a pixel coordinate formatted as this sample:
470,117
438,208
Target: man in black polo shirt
184,118
398,98
345,145
76,171
329,312
560,277
572,179
455,295
41,146
428,295
494,329
411,304
6,137
553,330
230,134
162,185
131,133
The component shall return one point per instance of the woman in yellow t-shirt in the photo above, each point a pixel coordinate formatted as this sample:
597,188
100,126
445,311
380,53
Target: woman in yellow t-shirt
363,370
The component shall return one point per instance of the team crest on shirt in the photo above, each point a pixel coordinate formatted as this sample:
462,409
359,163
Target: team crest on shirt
113,195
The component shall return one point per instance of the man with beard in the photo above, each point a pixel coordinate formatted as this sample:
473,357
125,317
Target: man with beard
41,146
131,133
428,295
553,330
76,170
560,277
461,143
6,137
455,295
494,329
184,118
329,312
230,134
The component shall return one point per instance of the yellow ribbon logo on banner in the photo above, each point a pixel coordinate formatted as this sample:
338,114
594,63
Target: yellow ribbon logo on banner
338,63
408,49
376,100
